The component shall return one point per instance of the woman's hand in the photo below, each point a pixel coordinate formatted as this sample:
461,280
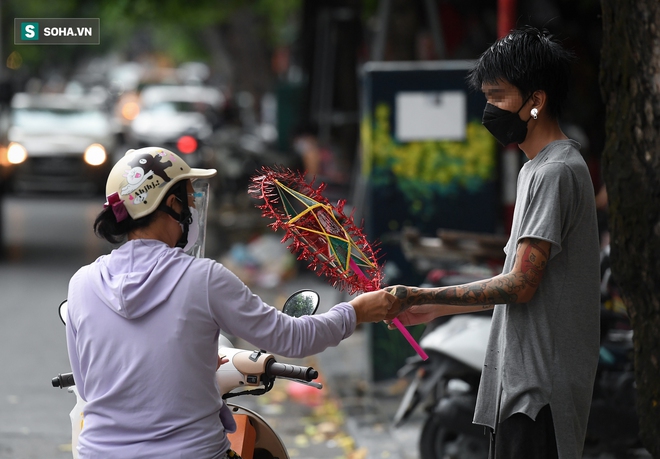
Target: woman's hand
375,306
226,416
221,361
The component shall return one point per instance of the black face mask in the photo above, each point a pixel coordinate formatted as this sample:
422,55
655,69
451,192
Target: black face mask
506,126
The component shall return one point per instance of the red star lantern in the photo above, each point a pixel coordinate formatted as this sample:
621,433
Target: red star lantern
320,233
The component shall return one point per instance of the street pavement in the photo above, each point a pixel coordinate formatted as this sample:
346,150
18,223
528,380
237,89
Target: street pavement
47,240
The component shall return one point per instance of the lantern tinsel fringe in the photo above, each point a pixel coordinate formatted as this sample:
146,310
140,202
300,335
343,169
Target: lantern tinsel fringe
320,232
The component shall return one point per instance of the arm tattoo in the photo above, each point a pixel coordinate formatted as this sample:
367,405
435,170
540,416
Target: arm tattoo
534,260
500,289
505,288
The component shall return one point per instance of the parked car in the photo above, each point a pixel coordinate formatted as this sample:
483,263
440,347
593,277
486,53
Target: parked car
58,143
181,118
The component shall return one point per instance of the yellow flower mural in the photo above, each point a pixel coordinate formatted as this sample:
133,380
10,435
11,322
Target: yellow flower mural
424,168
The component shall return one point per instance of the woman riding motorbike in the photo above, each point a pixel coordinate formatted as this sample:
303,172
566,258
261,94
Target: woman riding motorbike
143,322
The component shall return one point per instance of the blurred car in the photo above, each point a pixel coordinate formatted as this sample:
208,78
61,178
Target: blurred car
58,142
181,118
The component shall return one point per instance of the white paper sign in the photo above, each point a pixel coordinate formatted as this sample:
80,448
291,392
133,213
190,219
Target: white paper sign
431,115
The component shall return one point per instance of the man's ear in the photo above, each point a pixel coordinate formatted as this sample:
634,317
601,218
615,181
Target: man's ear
539,99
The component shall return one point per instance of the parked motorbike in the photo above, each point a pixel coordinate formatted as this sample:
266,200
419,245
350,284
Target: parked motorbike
248,372
446,384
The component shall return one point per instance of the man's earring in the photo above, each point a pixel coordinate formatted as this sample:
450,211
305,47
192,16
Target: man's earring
535,113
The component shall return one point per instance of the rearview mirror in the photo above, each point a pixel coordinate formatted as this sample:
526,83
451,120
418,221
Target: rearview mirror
62,310
302,303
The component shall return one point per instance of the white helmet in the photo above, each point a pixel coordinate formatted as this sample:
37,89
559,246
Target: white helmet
143,177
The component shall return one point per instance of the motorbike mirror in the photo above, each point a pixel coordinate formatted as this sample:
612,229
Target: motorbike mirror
62,310
302,303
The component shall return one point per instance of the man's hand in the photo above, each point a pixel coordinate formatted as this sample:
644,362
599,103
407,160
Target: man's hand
375,306
415,315
424,313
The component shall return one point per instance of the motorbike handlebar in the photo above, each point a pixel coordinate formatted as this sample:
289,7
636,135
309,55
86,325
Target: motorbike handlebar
291,371
274,369
63,380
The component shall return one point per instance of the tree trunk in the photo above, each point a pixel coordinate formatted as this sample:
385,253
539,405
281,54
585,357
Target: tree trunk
249,53
630,84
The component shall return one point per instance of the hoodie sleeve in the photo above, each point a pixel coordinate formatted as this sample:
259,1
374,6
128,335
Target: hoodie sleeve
71,335
240,312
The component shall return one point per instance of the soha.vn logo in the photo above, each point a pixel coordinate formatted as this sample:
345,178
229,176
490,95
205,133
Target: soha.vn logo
29,31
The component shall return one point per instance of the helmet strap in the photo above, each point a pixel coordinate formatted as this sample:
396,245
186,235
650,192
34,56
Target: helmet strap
184,217
183,240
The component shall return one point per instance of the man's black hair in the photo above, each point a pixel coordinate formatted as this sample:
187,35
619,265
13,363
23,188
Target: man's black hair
530,59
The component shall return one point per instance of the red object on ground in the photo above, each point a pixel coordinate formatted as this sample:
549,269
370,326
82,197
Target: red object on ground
303,394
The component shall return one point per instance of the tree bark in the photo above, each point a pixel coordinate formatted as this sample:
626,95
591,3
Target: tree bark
630,85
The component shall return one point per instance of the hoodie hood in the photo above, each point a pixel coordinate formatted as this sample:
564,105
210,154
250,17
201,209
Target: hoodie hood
139,276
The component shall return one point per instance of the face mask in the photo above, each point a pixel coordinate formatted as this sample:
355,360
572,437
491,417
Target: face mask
193,230
506,126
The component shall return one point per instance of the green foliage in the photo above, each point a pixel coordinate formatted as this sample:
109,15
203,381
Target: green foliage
278,14
180,21
191,14
175,27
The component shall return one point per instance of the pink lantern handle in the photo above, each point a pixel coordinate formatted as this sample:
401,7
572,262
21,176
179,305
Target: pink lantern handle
404,331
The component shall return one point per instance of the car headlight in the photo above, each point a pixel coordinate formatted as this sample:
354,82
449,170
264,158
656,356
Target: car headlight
95,155
16,153
130,110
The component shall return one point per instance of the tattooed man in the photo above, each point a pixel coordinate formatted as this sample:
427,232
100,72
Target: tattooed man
537,379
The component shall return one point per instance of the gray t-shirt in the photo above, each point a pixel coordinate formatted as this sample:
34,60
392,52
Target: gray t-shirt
546,351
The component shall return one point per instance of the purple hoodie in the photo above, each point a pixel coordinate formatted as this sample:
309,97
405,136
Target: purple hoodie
142,335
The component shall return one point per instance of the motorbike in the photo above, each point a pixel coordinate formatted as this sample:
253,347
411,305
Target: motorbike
248,372
446,384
